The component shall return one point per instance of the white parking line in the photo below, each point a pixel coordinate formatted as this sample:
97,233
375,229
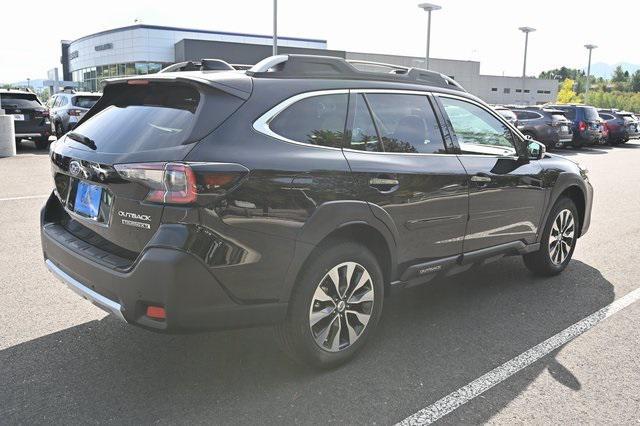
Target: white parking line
482,384
28,197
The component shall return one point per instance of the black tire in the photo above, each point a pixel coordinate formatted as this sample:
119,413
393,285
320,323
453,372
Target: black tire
42,143
540,262
295,333
58,130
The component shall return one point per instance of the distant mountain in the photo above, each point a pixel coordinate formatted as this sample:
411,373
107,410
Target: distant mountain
600,69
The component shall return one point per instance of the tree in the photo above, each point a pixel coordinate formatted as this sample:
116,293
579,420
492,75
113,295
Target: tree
567,94
635,81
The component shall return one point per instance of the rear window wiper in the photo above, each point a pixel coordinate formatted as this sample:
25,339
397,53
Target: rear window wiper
82,139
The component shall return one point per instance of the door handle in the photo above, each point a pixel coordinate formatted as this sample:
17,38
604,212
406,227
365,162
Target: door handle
480,179
384,183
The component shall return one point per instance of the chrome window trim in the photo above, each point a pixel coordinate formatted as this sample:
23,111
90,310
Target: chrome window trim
491,112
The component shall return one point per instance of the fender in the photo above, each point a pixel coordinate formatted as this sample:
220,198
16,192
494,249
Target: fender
328,218
564,181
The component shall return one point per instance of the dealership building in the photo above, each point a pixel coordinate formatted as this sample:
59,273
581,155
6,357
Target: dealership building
146,49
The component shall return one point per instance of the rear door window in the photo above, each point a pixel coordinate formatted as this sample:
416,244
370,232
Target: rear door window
19,100
318,120
144,117
406,123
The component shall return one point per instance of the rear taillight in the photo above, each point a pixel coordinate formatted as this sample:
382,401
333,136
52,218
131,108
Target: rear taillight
179,183
75,112
582,126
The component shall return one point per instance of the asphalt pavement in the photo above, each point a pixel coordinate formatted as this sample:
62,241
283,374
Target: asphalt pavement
64,361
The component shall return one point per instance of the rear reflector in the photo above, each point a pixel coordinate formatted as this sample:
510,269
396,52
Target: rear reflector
156,312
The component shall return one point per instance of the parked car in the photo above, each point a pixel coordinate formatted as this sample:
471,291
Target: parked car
546,125
30,117
507,114
68,107
587,124
621,125
299,193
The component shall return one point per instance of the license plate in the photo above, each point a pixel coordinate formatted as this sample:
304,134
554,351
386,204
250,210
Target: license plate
564,129
88,198
18,117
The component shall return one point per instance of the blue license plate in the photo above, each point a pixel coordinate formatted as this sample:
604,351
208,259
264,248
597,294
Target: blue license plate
88,199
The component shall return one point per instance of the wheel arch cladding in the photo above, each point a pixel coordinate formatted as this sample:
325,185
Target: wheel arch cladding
575,194
365,234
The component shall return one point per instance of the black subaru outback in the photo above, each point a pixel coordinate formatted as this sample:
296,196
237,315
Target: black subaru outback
298,193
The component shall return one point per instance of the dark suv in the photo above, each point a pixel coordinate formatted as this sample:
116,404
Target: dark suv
299,193
587,125
546,125
30,117
621,125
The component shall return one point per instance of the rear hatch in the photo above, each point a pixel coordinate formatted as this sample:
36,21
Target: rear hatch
113,172
631,123
29,115
561,123
592,118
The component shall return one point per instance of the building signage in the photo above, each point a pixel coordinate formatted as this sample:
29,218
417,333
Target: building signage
106,46
73,55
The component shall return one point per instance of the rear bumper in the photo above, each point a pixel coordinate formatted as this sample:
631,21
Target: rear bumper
174,279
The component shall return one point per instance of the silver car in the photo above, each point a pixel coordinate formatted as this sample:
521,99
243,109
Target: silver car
67,108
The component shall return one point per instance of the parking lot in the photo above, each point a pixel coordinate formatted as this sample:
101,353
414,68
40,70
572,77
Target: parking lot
64,361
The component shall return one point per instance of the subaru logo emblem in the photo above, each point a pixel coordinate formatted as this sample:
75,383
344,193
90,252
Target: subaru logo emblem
75,168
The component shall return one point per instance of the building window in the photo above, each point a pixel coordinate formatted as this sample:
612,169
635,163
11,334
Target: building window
547,92
526,90
507,90
540,91
518,90
494,89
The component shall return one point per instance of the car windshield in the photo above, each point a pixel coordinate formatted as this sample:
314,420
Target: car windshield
84,101
19,100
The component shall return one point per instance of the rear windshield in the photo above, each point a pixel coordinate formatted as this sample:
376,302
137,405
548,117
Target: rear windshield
19,100
142,118
558,116
591,113
84,101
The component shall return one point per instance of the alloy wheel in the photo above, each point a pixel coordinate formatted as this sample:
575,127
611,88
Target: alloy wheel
341,306
562,237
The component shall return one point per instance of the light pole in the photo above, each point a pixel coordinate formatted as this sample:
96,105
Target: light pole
590,47
526,31
428,7
28,83
275,27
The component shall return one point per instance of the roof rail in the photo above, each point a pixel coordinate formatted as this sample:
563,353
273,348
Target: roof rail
314,66
204,64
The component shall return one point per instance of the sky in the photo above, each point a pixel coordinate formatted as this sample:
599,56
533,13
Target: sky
483,30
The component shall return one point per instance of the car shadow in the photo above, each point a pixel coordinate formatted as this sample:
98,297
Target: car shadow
431,341
29,147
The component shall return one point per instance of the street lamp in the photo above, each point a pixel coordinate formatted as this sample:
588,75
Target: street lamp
428,7
526,31
275,27
590,47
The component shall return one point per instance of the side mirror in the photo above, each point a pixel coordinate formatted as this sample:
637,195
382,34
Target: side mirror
535,149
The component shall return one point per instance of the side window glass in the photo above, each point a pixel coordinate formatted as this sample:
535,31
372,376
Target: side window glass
318,120
406,123
363,132
477,130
